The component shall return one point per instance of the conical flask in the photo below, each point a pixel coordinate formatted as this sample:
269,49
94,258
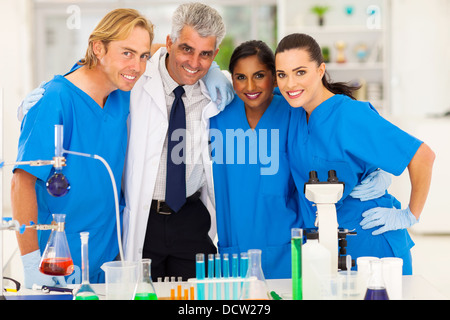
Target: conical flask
145,289
376,287
56,260
85,292
255,286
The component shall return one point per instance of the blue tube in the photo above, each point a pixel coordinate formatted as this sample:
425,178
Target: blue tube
226,274
218,276
244,264
200,273
210,276
234,274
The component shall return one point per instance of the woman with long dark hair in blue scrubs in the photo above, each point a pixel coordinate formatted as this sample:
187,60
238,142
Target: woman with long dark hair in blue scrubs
256,202
329,129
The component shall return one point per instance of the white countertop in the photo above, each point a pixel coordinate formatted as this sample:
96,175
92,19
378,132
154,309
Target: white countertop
414,288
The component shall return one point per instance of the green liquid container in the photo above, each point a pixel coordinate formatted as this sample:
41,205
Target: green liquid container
85,292
145,289
296,254
145,296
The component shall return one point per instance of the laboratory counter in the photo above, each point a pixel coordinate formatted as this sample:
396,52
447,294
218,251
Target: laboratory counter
414,287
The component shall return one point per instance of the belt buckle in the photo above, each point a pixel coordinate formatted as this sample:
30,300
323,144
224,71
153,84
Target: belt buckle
158,207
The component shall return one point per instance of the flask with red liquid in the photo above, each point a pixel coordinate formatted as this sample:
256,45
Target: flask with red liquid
56,260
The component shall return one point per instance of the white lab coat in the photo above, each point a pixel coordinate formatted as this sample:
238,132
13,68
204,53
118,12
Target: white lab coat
148,125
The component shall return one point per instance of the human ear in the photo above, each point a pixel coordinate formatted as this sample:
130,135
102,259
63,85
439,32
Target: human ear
99,49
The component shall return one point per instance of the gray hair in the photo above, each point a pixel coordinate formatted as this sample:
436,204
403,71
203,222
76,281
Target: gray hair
204,19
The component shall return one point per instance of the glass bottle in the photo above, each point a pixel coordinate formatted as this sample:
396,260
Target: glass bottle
85,292
145,289
56,260
255,286
376,287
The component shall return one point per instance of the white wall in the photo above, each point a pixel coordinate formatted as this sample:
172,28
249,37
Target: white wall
15,77
420,56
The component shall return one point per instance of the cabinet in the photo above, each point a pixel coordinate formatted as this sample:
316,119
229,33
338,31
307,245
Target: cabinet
356,35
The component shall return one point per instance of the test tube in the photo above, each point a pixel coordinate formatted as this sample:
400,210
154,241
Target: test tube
234,274
226,275
210,276
243,264
200,273
296,256
218,276
59,139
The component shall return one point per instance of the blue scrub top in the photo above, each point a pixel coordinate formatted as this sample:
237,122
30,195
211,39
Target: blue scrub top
88,128
256,199
352,138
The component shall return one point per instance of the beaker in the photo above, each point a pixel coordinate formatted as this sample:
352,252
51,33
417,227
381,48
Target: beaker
85,292
56,260
145,289
255,286
120,279
376,287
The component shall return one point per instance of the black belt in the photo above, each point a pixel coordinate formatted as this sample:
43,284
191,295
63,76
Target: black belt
162,207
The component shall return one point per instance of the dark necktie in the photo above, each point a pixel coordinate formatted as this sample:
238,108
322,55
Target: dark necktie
176,161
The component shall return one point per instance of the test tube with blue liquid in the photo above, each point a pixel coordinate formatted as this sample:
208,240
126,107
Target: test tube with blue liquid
200,273
210,276
218,265
226,275
243,264
234,274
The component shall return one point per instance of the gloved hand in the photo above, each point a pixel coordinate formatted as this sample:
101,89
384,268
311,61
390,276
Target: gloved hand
373,186
215,81
388,218
32,275
30,100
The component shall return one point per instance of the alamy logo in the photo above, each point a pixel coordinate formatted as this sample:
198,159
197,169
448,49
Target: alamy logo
236,146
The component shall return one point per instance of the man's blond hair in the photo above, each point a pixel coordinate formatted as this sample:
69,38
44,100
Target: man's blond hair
116,25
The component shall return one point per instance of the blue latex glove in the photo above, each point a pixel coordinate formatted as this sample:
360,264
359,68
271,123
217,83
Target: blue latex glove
30,100
216,81
388,218
373,186
32,275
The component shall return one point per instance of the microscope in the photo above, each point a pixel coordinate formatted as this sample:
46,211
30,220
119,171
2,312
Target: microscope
325,195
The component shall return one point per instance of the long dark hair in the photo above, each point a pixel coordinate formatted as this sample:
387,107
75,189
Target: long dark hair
306,42
253,48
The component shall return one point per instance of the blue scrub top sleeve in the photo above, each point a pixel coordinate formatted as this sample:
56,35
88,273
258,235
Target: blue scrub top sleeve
36,140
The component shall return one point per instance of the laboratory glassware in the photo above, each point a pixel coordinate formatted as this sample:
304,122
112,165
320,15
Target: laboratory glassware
121,279
316,263
85,292
255,286
296,256
145,289
200,274
56,260
376,288
58,185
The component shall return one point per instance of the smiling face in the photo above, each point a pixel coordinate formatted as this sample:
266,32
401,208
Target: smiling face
253,82
124,61
190,56
300,79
